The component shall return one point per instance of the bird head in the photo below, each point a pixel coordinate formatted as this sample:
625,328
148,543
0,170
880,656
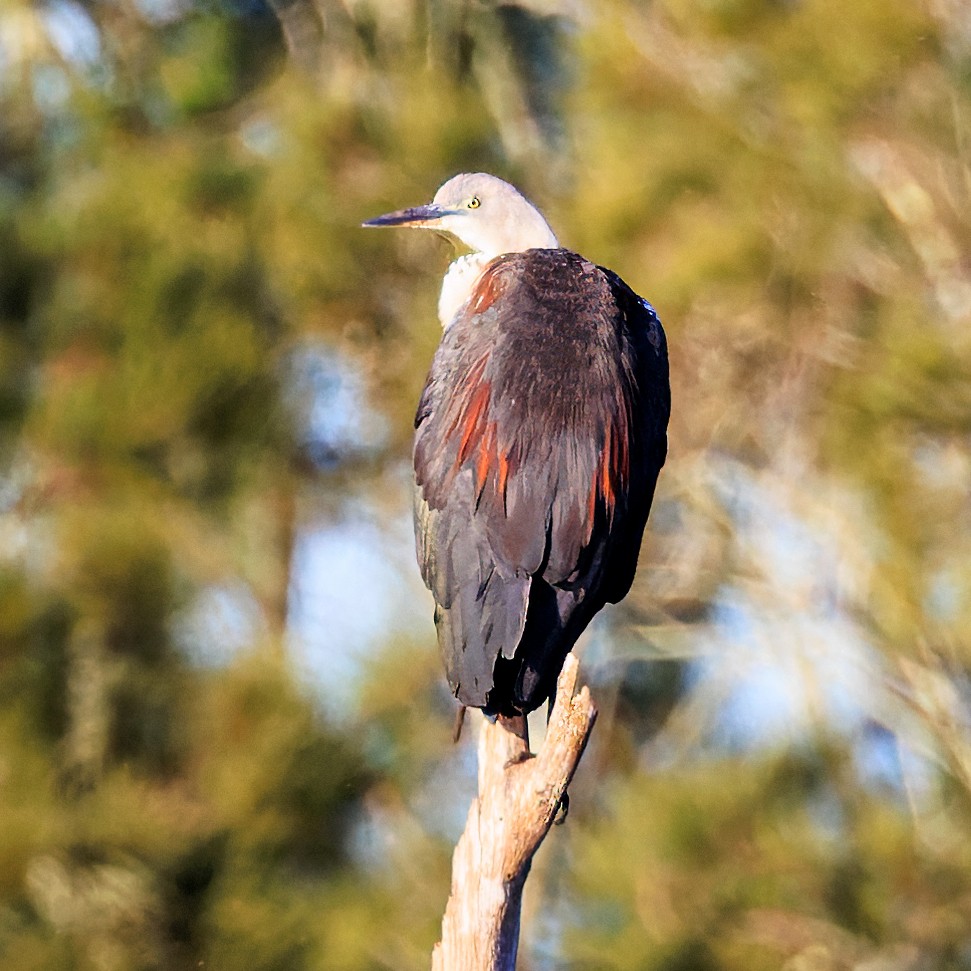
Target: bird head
483,212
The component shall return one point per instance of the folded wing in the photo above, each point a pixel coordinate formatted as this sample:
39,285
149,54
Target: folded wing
539,437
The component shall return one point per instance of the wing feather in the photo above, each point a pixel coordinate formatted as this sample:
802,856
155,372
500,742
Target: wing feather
535,464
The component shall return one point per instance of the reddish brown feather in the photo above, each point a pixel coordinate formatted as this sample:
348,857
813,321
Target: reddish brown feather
591,507
479,436
486,459
487,290
503,460
613,468
472,420
461,410
606,470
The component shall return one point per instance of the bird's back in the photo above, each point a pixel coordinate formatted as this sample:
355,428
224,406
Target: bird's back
539,437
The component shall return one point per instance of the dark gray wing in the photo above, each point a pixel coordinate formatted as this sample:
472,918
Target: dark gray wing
532,469
646,356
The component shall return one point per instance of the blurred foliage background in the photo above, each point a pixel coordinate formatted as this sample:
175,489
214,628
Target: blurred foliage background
224,738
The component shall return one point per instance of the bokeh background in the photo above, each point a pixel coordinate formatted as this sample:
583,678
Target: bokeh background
224,737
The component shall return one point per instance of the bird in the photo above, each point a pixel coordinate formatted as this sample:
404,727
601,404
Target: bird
539,437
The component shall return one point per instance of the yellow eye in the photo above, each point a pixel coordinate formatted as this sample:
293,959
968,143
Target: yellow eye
474,202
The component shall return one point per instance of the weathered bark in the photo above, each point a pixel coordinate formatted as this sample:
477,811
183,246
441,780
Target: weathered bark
518,800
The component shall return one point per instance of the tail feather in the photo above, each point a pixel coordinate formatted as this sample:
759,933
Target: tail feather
484,622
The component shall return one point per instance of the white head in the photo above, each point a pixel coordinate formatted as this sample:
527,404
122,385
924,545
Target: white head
485,213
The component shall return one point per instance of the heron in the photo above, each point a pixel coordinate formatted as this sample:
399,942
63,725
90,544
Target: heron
539,437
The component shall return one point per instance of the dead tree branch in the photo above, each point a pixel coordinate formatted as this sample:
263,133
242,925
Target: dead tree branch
517,802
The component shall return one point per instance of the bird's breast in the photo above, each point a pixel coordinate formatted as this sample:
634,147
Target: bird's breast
457,286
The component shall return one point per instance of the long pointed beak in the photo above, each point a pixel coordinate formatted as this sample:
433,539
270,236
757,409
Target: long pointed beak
419,217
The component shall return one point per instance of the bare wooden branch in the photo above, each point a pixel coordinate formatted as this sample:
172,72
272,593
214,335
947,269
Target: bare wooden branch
519,795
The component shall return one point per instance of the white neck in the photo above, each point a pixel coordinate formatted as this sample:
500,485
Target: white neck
460,278
514,229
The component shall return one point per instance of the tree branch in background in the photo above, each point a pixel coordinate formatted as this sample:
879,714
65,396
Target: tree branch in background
517,803
303,31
